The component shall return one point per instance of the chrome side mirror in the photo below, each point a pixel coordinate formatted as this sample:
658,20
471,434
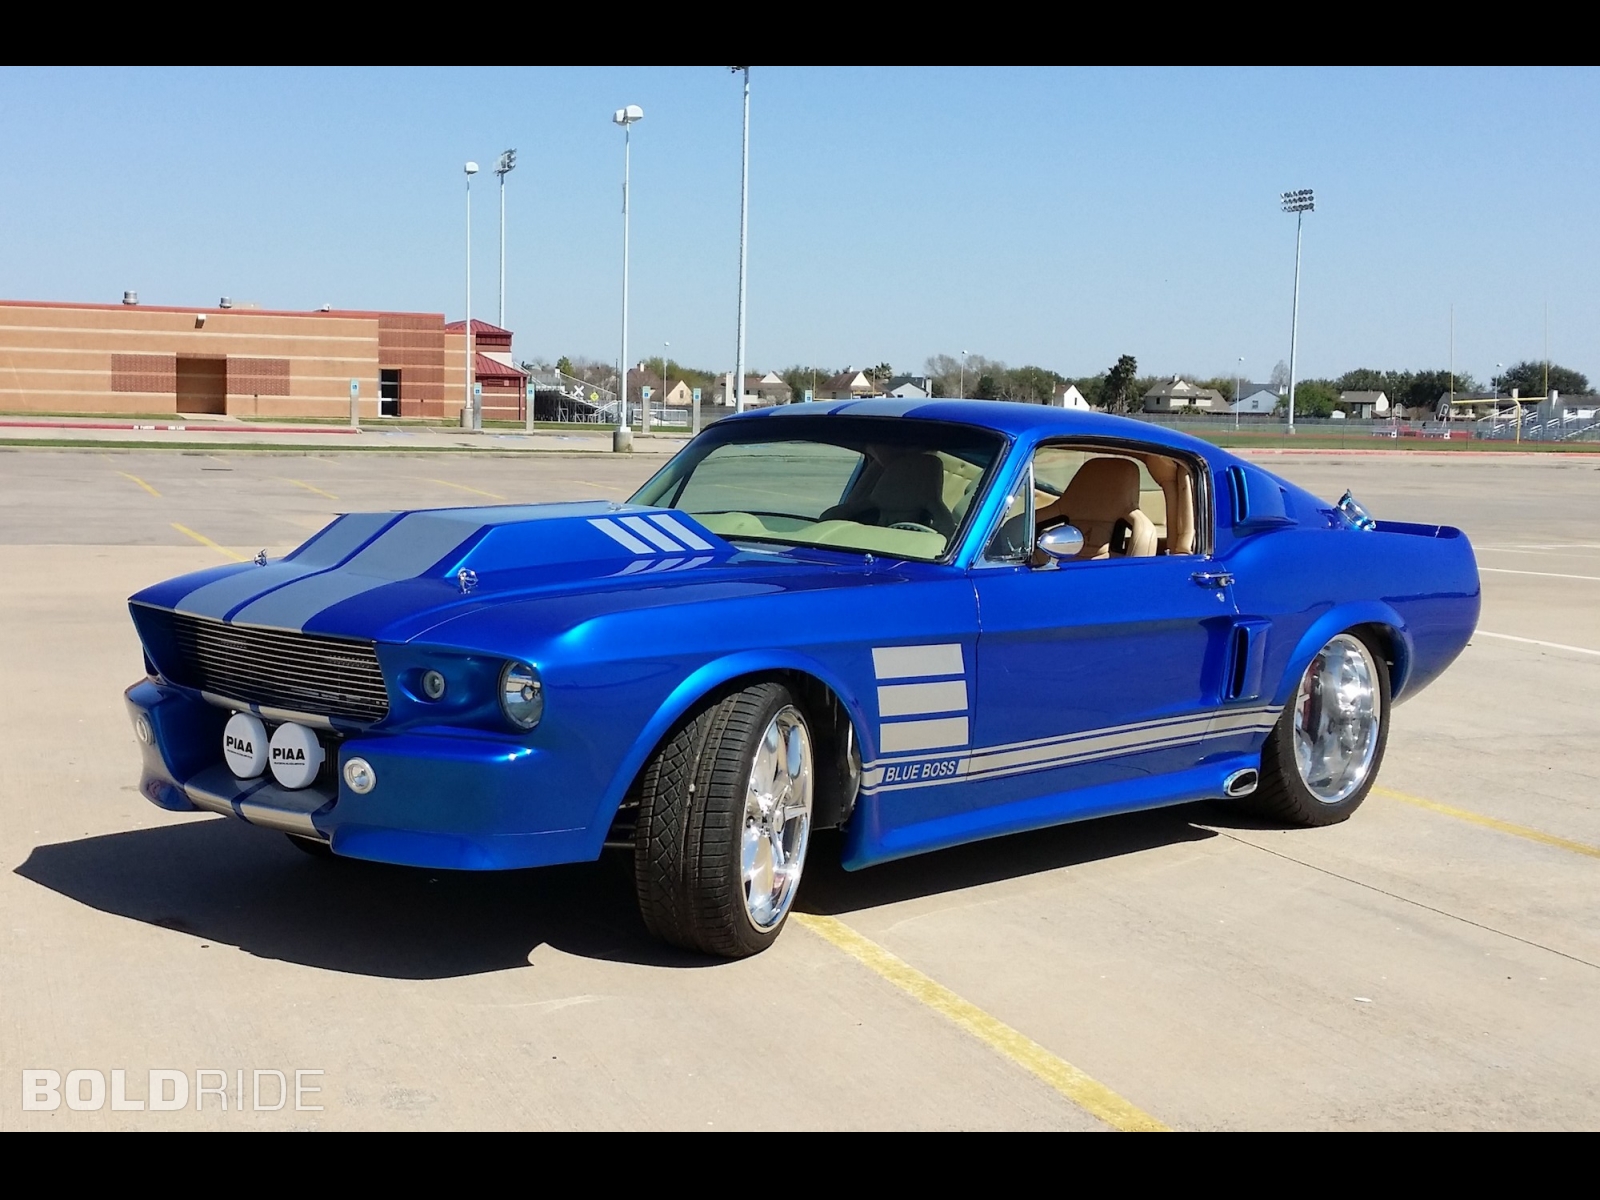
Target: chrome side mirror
1062,542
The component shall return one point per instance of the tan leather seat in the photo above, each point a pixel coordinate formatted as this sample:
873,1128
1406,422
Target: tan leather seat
1103,495
910,489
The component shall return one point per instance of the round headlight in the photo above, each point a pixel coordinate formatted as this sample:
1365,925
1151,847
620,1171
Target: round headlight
359,776
433,685
141,729
521,695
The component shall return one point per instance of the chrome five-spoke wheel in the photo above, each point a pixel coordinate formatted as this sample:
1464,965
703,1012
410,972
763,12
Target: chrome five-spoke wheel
1338,712
777,818
1320,759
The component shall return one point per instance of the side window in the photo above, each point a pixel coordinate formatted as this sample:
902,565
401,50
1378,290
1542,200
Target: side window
1135,504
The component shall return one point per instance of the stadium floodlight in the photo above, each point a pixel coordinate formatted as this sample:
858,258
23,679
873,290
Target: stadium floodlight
622,439
1299,203
473,411
507,164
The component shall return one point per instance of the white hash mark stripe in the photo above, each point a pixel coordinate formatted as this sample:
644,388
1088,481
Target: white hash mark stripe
917,699
910,662
681,531
652,535
924,735
618,534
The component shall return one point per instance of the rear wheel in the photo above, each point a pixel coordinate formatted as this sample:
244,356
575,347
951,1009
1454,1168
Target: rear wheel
1323,755
724,821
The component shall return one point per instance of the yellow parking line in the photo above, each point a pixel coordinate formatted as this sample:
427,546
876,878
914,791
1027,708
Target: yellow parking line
309,487
1088,1094
141,483
1521,831
205,541
604,487
465,488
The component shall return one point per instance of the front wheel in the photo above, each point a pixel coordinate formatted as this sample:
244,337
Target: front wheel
724,820
1322,756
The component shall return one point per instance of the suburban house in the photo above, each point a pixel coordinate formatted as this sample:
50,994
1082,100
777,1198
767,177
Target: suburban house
1364,406
1067,395
677,393
760,391
846,385
909,387
1256,398
1179,395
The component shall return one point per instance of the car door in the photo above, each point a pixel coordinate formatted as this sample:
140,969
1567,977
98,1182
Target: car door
1094,673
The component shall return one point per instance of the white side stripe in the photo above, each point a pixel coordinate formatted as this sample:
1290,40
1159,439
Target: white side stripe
915,699
909,662
618,534
652,535
681,531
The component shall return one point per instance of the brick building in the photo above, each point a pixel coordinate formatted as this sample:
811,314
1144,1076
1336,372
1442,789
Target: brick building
246,362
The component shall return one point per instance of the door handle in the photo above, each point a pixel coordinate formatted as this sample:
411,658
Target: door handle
1213,579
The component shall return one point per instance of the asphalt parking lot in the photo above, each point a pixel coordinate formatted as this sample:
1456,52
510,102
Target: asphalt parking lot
1432,963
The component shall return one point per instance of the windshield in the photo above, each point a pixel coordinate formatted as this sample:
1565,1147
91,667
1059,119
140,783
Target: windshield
881,484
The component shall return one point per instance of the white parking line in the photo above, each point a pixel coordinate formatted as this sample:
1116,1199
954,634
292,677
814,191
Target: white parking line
1543,574
1507,637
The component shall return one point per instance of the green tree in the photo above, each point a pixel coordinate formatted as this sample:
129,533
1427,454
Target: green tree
880,374
803,379
1120,388
1315,398
564,365
1529,380
1034,385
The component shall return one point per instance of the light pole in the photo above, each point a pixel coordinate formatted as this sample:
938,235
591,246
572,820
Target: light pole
1299,203
622,439
744,233
474,416
508,163
1238,386
963,388
665,346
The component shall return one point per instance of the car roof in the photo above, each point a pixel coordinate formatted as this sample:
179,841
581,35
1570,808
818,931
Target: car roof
1003,416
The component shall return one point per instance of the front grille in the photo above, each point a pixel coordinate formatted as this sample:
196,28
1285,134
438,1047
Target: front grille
277,669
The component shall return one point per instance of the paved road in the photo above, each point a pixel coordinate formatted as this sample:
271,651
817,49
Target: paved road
1431,963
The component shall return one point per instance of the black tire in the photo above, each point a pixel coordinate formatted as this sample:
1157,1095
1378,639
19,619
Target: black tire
1282,795
315,847
687,843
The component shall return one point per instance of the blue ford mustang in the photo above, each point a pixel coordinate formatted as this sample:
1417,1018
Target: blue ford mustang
921,622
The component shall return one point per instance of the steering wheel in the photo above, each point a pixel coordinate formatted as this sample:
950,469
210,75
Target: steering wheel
913,527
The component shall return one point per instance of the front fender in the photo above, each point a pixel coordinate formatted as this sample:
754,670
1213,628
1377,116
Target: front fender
1337,620
706,679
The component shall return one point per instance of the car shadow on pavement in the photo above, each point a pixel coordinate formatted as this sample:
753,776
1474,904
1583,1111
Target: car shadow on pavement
830,889
223,882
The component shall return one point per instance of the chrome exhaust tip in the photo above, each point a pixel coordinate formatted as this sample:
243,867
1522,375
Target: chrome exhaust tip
1241,783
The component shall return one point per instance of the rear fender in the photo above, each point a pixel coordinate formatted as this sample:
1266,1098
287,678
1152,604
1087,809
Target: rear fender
1340,619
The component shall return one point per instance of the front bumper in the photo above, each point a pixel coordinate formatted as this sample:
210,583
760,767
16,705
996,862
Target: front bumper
443,800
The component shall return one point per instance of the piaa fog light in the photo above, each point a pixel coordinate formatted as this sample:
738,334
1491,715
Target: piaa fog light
359,776
295,755
433,685
244,745
141,729
521,695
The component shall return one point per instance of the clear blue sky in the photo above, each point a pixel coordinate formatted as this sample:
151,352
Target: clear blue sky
1058,217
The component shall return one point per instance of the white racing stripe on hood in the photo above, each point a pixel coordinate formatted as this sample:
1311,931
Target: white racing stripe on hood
405,550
